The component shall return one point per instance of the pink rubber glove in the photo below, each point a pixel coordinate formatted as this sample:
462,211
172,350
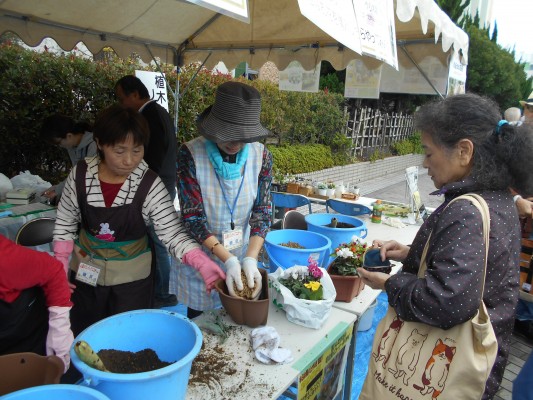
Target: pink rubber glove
60,337
209,270
62,251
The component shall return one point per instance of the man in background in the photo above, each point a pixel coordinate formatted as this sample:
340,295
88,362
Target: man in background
160,154
528,109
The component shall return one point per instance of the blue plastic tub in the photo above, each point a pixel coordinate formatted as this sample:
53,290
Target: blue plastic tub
316,223
56,392
315,245
172,336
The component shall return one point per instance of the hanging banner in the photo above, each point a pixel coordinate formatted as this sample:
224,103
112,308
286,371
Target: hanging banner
294,78
156,85
237,9
456,75
361,82
336,18
377,31
409,79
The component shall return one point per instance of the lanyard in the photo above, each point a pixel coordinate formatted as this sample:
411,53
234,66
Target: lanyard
232,209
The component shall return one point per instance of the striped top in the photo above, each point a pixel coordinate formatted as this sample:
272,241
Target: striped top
157,208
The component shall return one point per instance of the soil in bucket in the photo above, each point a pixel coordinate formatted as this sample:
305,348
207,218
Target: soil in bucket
128,362
339,224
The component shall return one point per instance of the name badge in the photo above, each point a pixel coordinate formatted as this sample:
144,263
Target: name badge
526,287
232,239
88,274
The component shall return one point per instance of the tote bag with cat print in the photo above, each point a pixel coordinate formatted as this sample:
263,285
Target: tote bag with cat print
413,360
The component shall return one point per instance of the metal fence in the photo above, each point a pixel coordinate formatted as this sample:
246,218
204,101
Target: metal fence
372,130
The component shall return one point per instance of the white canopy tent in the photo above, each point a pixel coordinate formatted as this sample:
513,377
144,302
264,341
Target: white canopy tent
177,30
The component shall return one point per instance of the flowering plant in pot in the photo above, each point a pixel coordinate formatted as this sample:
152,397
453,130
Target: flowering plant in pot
305,293
343,270
304,283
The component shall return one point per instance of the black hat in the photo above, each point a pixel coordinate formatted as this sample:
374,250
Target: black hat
235,115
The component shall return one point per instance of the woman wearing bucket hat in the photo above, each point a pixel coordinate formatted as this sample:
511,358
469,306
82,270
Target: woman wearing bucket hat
224,179
528,109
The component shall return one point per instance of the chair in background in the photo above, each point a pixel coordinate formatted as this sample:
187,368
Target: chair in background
294,220
36,232
343,207
288,200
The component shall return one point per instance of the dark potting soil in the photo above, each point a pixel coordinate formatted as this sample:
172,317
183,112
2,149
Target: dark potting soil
127,362
342,225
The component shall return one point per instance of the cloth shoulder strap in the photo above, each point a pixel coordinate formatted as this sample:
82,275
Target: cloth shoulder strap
480,203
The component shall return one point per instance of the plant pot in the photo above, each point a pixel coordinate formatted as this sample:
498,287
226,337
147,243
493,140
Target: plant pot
322,192
25,370
293,188
330,193
347,287
246,312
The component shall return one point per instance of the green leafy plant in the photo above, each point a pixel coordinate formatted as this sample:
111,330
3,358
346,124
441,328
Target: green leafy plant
215,325
348,257
305,283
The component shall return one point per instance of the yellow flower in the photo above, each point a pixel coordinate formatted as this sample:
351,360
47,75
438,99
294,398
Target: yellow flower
314,285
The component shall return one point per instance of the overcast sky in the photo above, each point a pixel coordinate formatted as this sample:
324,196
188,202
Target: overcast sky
515,24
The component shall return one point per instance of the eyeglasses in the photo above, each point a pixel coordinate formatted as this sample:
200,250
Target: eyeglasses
528,107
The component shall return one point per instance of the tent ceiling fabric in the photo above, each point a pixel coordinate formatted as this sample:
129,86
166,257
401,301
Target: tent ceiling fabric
277,31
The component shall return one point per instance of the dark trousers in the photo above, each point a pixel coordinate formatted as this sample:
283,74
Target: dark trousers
92,304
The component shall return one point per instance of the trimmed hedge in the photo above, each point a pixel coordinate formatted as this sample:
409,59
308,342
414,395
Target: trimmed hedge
36,85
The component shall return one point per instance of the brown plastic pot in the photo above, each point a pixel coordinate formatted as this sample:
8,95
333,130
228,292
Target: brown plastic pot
25,370
246,312
347,287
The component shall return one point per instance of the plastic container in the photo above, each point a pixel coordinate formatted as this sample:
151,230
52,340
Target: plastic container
316,223
56,392
242,311
377,211
315,245
25,370
365,323
172,336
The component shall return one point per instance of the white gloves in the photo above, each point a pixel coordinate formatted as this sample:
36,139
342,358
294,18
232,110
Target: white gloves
265,342
60,337
253,277
233,275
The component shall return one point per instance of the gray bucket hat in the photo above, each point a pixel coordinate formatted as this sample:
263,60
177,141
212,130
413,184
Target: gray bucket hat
235,115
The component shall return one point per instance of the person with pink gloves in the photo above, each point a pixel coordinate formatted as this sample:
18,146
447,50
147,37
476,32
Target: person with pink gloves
34,303
224,179
108,202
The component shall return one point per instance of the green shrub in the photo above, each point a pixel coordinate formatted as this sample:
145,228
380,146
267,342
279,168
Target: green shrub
411,145
299,159
36,85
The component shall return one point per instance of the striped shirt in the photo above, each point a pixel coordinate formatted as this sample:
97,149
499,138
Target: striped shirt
157,208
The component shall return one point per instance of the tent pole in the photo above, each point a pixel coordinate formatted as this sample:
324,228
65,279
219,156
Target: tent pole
402,47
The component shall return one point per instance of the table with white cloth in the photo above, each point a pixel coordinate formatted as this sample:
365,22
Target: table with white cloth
314,352
10,225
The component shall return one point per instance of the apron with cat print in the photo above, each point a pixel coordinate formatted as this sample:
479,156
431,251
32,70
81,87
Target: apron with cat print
413,360
224,200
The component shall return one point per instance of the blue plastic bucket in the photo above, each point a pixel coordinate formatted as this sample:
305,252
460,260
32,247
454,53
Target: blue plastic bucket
56,392
317,222
172,336
315,245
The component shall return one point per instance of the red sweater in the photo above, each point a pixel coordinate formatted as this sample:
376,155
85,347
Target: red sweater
22,268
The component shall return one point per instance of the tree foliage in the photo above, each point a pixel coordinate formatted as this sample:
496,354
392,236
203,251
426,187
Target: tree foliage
36,85
493,71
